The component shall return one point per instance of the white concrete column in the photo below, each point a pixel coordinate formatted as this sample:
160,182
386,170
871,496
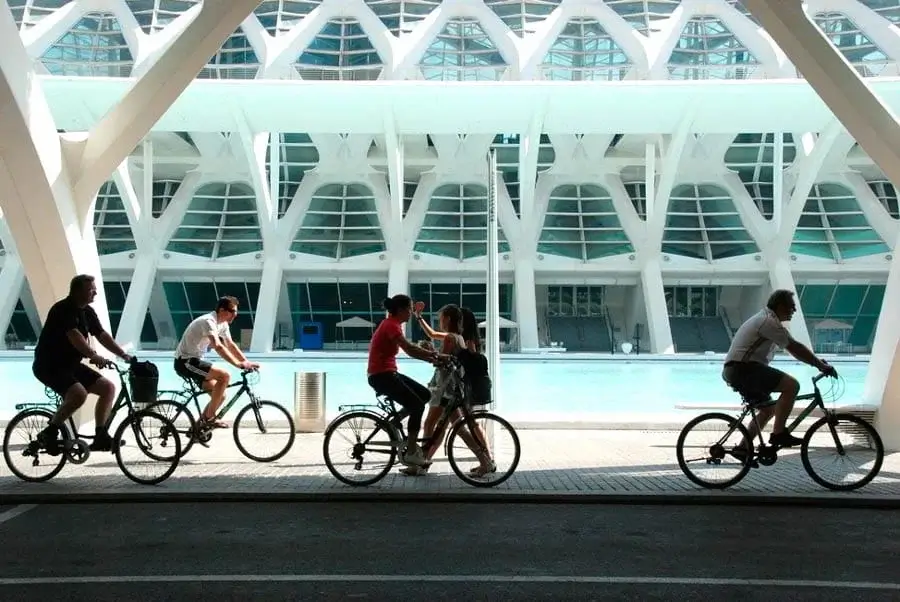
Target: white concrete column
267,306
658,328
780,277
398,282
135,311
284,309
161,315
526,305
12,281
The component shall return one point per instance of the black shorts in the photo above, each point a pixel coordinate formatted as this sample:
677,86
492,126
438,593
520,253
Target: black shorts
193,369
62,380
754,381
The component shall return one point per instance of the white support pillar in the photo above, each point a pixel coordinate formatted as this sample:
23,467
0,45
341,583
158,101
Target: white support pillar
658,328
161,315
398,282
526,306
147,182
780,277
12,281
778,181
649,179
138,300
492,328
267,306
284,316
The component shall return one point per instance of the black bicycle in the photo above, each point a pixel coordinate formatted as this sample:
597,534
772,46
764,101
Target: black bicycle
366,439
260,423
143,440
717,460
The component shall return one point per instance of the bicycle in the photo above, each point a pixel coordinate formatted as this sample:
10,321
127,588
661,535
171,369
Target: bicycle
717,453
387,421
141,424
176,409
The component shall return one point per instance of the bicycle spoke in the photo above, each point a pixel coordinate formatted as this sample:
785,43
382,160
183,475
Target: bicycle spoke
359,448
707,452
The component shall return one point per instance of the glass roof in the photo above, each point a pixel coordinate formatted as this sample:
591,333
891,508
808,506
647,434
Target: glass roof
111,228
856,46
752,156
341,222
297,156
889,9
644,15
163,191
462,52
236,59
834,227
456,223
582,223
707,49
507,146
342,51
155,15
401,16
887,196
220,221
27,13
280,16
702,222
95,47
585,52
521,15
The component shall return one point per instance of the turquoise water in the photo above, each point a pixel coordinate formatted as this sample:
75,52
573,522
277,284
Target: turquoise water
533,388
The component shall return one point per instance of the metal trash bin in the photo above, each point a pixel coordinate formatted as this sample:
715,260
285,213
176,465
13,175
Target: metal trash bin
309,402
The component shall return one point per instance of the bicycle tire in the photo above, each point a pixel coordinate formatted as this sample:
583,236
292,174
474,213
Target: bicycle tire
60,459
254,410
174,411
379,424
476,481
683,464
869,431
134,422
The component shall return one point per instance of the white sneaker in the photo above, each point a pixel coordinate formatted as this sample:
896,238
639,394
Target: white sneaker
414,458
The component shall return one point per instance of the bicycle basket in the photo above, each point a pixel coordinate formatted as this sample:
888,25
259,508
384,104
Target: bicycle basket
143,379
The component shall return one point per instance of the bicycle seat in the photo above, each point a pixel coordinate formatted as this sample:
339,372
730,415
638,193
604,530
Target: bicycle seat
752,398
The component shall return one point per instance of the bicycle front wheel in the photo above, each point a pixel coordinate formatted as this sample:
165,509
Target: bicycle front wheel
139,449
361,443
264,431
842,452
483,437
705,451
24,456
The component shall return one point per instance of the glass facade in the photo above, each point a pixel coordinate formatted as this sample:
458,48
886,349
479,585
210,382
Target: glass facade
585,52
856,305
163,191
692,301
116,293
521,16
20,331
507,147
644,15
94,47
462,52
297,155
752,156
332,302
582,223
341,51
111,227
155,15
707,49
703,223
472,295
401,16
856,46
833,226
341,222
456,223
887,196
190,299
575,300
28,13
280,16
236,59
889,9
221,221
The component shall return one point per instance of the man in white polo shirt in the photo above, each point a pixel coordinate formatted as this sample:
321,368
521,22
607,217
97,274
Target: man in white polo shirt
211,330
747,367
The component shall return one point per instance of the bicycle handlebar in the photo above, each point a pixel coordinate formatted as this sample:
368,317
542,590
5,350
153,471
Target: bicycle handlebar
819,377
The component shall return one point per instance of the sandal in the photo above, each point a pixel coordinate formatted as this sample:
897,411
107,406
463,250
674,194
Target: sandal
215,423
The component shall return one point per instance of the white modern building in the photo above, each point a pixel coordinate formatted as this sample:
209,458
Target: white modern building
663,166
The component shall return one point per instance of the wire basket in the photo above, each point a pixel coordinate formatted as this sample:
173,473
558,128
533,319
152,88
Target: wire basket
144,390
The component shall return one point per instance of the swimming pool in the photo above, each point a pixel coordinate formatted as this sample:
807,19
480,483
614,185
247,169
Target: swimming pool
539,389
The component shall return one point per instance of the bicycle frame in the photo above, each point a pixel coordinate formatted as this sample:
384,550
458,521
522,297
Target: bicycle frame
816,402
193,393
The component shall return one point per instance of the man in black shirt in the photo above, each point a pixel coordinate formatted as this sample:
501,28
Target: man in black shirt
57,362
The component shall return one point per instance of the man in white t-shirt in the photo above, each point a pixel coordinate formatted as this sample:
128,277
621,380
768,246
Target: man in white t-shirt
747,368
211,331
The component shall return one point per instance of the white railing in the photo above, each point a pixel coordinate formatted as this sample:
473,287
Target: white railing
335,74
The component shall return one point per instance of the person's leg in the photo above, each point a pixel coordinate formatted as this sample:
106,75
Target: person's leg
789,388
434,414
105,391
413,396
214,381
73,395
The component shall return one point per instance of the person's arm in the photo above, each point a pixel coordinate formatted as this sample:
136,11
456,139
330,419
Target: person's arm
106,339
69,319
215,342
776,332
429,331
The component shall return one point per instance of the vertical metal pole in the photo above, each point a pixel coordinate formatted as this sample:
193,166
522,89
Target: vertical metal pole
777,180
492,329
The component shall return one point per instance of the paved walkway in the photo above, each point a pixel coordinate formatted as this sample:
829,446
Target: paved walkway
599,464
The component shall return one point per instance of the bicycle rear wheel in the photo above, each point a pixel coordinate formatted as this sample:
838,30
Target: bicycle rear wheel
478,431
361,443
704,451
139,450
181,417
266,428
25,458
842,452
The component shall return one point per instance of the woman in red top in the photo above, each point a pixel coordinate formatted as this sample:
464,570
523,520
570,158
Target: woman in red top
386,380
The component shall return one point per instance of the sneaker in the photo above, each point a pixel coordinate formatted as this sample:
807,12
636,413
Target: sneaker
102,443
784,439
742,453
414,471
414,458
49,440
